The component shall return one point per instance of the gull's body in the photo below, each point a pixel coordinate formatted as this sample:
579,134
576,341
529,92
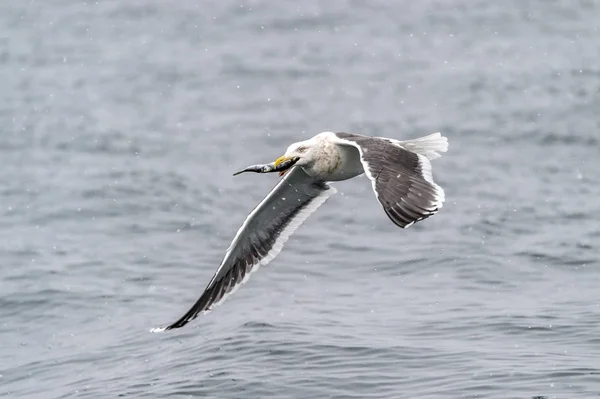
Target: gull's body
400,173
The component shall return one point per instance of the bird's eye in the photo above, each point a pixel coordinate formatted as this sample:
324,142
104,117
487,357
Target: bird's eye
301,149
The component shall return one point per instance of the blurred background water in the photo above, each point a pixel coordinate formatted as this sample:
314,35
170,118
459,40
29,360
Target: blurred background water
122,121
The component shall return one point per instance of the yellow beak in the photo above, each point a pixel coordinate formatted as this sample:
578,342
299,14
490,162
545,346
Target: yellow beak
280,160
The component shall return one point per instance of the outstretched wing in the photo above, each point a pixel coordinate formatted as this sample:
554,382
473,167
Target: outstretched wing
261,237
401,179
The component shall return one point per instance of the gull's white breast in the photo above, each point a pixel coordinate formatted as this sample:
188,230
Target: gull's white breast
334,162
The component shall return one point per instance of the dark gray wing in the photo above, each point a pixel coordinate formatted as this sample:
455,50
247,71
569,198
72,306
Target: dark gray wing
401,179
261,237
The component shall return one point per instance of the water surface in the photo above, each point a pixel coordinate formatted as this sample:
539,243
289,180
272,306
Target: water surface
122,122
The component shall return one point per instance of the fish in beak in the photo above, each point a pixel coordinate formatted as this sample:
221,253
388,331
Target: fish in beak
281,165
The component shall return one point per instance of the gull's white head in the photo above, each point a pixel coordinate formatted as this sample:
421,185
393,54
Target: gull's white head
303,153
303,150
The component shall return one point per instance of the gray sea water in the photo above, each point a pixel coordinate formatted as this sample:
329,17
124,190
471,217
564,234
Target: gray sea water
121,123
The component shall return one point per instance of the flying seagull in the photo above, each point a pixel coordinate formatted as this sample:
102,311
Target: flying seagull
399,171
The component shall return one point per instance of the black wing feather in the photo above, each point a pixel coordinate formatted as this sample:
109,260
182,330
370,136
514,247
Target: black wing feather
259,235
399,179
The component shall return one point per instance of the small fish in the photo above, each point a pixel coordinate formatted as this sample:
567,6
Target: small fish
258,169
270,167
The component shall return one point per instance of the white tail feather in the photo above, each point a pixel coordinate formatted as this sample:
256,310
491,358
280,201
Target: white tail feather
429,146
